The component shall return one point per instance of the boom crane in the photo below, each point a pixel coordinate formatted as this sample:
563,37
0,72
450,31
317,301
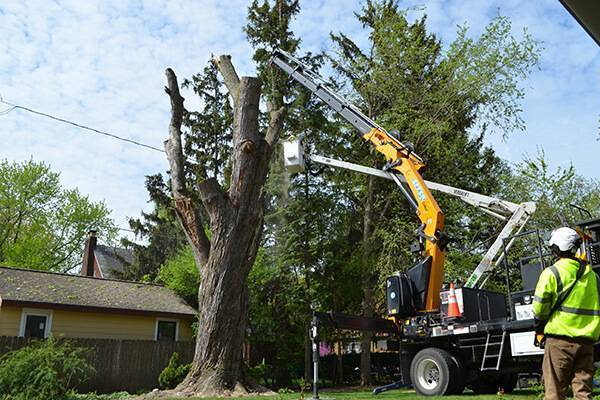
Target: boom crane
515,216
428,274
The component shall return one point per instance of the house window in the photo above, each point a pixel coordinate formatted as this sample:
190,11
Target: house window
35,323
166,330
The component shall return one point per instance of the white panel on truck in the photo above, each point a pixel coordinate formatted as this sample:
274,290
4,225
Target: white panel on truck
521,344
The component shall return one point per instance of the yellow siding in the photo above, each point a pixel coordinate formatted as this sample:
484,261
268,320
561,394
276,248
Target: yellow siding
109,326
76,324
10,319
102,326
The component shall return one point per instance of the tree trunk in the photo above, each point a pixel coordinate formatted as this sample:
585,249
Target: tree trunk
306,259
236,219
339,364
223,305
367,284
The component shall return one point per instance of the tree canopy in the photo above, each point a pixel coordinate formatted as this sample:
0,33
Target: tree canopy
43,225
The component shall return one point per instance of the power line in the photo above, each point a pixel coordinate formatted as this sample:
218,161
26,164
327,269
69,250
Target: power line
111,135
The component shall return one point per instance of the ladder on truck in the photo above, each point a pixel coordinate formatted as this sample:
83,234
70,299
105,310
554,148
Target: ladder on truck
493,350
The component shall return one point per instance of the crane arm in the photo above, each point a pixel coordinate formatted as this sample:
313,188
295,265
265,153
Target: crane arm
515,215
401,160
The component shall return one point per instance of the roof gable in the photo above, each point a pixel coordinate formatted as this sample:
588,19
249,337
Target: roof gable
112,261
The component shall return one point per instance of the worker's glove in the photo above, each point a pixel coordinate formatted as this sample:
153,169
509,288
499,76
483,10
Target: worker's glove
539,340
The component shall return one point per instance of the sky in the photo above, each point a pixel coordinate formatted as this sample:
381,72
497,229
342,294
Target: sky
101,64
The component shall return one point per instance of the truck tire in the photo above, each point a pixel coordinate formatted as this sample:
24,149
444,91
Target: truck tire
458,384
433,372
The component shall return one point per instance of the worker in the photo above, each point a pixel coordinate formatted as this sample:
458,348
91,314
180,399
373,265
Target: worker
567,319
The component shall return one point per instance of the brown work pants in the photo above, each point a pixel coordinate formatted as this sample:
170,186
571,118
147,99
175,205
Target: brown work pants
568,361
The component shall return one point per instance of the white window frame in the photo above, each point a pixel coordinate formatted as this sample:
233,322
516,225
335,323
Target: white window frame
37,312
159,319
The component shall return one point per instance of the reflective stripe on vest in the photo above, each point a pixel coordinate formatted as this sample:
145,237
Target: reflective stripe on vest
542,300
578,311
559,284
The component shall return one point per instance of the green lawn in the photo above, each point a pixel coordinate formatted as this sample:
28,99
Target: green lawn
391,395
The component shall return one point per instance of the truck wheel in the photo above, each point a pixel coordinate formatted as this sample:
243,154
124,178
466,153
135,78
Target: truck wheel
433,372
457,386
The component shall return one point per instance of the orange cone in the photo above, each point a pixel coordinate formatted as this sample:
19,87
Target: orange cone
453,310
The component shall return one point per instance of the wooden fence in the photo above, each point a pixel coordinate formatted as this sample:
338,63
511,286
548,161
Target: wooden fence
130,365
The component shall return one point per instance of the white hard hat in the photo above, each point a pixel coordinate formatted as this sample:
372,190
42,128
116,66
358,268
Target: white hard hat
565,239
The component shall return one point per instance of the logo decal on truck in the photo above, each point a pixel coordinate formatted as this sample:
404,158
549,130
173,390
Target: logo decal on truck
419,189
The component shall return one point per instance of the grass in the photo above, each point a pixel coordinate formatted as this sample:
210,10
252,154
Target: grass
392,395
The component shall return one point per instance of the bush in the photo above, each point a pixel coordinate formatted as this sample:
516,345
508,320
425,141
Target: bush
95,396
181,275
173,374
44,370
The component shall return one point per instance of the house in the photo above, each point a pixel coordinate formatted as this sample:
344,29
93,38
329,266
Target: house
39,303
104,261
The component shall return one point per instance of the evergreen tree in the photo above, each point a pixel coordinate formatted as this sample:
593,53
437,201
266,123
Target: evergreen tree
161,231
435,99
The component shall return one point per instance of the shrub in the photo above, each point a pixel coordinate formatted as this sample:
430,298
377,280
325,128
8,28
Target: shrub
173,374
44,370
95,396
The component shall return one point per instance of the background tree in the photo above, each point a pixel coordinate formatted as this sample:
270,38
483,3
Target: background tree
555,191
405,80
164,238
42,225
293,229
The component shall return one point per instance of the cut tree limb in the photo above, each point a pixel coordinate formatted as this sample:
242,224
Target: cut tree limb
248,145
230,76
187,213
276,118
213,198
173,144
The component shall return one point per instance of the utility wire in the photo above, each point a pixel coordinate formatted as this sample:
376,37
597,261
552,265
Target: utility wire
112,135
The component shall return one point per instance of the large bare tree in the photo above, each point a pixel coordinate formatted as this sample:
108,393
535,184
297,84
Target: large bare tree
235,220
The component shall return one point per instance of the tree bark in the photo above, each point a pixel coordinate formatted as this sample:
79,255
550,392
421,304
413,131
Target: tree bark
235,223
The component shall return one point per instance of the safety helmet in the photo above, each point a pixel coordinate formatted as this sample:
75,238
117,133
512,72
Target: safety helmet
565,239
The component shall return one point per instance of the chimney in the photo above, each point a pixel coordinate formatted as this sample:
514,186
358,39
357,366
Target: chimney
88,254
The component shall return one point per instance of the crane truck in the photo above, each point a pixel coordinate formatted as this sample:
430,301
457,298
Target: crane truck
440,354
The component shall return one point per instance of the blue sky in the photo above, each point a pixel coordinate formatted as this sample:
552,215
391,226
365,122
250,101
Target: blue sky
102,64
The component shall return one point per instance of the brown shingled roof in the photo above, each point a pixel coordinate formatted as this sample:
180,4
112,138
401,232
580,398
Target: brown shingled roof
76,291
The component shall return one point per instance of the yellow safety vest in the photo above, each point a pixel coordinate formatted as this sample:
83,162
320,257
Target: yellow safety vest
579,314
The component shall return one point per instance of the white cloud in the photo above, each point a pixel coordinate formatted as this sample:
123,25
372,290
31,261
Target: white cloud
102,64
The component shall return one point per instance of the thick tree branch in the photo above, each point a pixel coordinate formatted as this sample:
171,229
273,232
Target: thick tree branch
276,118
230,76
173,146
213,197
248,145
187,213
